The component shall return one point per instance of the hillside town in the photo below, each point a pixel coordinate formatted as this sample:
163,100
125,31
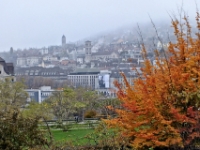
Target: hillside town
89,64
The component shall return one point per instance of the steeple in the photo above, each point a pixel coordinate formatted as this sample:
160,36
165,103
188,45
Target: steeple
88,47
63,40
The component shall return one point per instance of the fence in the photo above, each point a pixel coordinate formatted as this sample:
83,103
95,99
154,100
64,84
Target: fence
88,123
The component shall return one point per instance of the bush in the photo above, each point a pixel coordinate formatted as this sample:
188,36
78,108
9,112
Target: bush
90,114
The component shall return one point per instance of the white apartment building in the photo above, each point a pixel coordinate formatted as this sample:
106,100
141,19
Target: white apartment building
84,78
39,95
29,61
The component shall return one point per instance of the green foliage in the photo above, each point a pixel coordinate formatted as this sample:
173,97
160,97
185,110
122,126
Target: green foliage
61,103
12,94
70,101
17,130
35,109
106,138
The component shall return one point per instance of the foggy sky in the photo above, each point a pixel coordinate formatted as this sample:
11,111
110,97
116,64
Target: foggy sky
39,23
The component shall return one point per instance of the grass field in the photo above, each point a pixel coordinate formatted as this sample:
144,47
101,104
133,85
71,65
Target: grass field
76,132
75,136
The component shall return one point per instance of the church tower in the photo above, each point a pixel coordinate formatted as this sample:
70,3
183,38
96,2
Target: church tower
88,48
63,40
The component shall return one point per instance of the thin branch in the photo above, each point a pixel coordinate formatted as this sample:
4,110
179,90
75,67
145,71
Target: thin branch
168,36
50,134
143,47
140,33
169,71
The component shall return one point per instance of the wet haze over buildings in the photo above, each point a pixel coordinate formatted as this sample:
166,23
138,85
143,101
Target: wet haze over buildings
39,23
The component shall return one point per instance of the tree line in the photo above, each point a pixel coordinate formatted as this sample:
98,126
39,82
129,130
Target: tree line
24,125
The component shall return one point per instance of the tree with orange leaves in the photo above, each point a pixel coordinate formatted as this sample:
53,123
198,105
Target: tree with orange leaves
162,108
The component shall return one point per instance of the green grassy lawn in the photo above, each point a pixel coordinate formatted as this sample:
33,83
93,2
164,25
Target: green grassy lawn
76,132
75,136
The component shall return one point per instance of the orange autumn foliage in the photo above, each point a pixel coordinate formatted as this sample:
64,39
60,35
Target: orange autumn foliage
161,109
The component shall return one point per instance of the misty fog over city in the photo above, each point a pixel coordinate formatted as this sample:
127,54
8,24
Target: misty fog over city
41,23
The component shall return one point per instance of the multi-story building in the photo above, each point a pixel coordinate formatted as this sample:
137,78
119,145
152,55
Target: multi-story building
103,55
55,73
49,58
109,77
84,78
44,51
29,61
101,81
39,95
